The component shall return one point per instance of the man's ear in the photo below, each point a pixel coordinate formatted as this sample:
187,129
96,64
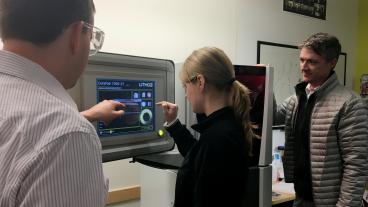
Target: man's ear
333,63
75,40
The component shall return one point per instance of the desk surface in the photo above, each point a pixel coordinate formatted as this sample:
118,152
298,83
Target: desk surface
282,198
285,192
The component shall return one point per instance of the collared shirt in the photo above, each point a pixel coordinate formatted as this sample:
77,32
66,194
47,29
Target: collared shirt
309,90
49,154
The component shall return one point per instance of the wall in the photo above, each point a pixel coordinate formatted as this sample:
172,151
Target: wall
172,29
168,29
362,46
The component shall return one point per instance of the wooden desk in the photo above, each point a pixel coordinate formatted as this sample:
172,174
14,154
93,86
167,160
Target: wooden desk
285,191
282,198
124,194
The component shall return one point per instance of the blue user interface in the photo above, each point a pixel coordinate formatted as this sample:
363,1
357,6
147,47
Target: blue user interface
138,97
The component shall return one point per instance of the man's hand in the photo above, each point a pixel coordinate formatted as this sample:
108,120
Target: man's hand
105,111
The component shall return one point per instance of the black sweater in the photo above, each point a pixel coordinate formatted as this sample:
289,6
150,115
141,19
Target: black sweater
302,172
215,168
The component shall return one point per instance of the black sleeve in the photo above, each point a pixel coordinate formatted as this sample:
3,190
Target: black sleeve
183,138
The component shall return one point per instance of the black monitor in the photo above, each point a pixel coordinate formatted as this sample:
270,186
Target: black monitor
139,83
259,80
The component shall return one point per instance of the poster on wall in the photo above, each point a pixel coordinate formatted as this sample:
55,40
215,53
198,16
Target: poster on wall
312,8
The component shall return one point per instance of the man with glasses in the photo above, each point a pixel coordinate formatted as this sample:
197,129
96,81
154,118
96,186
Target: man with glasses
49,154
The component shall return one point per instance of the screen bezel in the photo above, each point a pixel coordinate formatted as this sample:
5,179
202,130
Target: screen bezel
117,66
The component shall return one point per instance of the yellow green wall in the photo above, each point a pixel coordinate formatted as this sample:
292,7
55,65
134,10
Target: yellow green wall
362,44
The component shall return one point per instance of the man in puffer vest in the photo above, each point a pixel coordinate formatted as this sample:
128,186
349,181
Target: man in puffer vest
326,131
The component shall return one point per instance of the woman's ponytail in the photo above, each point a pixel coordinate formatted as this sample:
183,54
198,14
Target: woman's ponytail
242,105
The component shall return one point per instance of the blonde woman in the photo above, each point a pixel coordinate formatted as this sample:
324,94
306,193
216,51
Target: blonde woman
215,167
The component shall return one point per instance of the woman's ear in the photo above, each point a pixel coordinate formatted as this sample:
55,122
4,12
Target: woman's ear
201,82
75,37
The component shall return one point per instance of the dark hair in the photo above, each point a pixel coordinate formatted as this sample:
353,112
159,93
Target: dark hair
41,21
323,44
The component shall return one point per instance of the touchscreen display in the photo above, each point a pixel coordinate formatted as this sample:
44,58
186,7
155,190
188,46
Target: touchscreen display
139,99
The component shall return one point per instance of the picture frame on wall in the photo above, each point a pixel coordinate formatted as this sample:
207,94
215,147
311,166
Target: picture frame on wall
312,8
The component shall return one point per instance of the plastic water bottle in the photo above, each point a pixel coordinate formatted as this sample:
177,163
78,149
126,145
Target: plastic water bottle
277,168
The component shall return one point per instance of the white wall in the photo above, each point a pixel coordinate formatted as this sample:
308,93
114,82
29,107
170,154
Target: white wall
172,29
168,29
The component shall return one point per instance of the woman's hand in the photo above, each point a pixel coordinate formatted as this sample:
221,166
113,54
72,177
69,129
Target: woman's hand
170,110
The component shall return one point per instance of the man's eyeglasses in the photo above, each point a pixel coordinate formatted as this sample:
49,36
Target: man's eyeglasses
97,38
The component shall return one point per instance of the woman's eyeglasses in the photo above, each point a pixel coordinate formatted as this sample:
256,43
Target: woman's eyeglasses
190,80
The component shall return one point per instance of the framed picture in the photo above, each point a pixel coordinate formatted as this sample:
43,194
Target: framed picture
312,8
